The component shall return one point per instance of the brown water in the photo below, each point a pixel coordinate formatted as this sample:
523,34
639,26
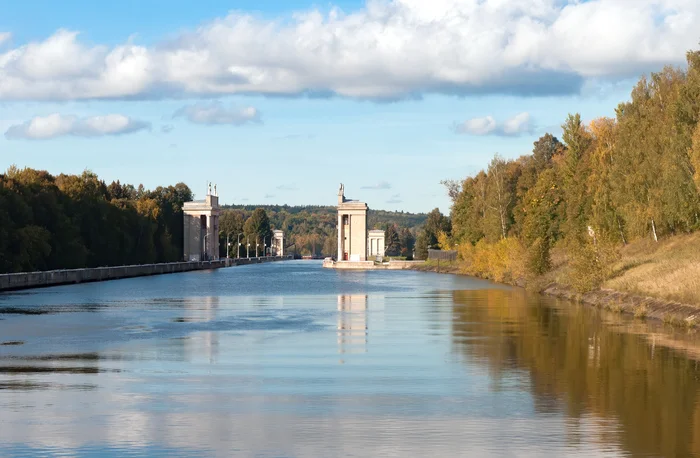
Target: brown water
290,360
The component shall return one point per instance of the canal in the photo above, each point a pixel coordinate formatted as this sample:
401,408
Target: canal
292,360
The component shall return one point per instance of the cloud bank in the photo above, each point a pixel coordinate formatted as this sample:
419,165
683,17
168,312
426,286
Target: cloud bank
58,125
517,125
388,49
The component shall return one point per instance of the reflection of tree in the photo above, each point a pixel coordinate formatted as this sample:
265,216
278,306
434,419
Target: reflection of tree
582,366
352,323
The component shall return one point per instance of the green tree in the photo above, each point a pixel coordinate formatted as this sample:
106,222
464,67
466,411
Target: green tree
407,242
257,226
653,170
434,224
575,169
422,245
544,150
231,224
541,224
392,241
469,210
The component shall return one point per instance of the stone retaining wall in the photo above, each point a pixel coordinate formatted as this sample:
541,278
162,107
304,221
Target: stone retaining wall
26,280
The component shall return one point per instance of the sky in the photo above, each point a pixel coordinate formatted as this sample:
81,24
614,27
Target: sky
280,102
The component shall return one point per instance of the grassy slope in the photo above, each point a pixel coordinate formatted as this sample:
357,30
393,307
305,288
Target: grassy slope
669,269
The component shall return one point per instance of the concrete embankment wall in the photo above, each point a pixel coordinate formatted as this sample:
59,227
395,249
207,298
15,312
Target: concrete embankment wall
260,260
26,280
370,265
648,307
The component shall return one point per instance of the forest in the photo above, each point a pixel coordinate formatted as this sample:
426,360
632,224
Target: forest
72,221
604,184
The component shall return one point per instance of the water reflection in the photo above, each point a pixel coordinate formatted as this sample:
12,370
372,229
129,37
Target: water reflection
203,345
579,365
352,323
453,367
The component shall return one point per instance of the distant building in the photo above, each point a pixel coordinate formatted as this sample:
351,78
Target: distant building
353,238
201,230
375,242
277,243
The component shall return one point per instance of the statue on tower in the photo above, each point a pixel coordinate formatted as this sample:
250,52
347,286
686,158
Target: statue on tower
209,193
341,194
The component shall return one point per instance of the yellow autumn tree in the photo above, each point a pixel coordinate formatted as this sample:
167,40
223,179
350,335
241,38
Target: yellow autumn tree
695,155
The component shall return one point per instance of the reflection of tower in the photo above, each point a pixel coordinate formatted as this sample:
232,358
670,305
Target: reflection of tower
204,344
352,323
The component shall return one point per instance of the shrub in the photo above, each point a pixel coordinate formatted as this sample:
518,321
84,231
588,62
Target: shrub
590,264
501,261
640,312
538,258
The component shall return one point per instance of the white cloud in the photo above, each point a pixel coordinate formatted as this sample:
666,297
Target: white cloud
216,113
477,126
517,125
388,49
57,125
5,36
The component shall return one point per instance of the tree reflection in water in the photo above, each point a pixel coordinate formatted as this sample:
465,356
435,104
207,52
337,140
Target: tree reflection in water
582,366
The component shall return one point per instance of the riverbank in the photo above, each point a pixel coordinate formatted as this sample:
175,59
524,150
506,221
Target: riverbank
28,280
649,280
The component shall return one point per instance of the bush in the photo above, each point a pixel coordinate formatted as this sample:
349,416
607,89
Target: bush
538,259
590,264
501,261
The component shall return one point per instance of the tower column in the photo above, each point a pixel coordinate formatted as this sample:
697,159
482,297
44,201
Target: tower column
340,236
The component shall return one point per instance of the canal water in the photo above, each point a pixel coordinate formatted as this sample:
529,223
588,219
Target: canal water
292,360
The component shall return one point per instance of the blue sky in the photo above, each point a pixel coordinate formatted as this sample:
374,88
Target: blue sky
404,93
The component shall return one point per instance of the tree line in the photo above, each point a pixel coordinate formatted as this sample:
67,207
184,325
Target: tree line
74,221
605,183
310,230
